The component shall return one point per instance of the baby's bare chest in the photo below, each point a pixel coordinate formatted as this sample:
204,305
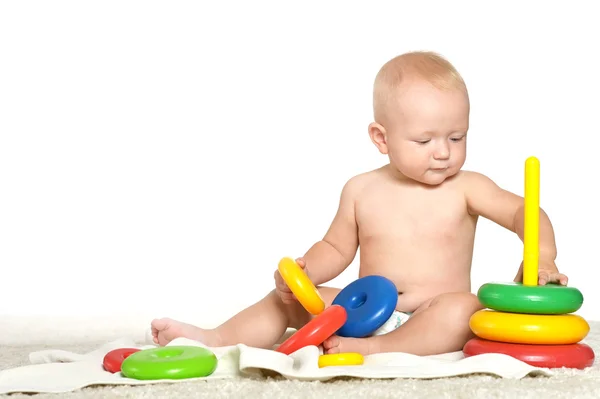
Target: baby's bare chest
429,215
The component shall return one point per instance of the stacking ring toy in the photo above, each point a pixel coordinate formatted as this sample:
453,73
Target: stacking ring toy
170,362
529,329
301,286
578,356
369,303
315,331
113,359
535,299
341,359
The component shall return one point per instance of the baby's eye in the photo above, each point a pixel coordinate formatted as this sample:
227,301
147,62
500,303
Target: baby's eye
423,141
456,139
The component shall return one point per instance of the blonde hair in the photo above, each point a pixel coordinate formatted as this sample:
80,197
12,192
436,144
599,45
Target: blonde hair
425,65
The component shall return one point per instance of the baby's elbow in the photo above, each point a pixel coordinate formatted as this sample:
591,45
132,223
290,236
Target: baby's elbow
347,251
545,217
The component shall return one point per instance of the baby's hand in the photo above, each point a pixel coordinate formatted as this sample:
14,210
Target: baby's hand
282,288
548,273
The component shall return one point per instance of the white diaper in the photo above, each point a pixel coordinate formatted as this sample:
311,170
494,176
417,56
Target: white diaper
395,321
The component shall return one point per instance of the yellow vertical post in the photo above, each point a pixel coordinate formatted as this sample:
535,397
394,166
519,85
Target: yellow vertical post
531,244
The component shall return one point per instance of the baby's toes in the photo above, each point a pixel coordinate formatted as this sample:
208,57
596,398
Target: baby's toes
331,343
332,351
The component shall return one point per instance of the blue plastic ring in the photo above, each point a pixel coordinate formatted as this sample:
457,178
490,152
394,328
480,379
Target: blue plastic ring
369,302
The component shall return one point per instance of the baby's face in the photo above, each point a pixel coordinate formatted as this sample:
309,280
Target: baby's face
426,138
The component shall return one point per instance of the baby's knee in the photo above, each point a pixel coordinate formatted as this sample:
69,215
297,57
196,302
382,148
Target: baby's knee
459,306
293,311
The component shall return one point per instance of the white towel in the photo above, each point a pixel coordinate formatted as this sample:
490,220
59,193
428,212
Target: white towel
61,371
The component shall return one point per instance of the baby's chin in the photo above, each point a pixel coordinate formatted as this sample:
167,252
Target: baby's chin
435,178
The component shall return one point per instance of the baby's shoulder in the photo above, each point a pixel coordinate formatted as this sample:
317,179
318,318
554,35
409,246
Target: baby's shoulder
467,179
358,183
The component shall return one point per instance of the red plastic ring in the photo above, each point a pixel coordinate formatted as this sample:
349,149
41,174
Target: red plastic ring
113,359
315,331
576,356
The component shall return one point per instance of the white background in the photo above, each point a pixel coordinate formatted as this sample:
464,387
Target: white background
158,159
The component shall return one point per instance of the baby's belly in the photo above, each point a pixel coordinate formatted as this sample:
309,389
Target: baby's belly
419,274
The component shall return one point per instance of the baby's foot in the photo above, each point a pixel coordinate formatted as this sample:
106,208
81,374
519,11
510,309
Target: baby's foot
165,330
335,344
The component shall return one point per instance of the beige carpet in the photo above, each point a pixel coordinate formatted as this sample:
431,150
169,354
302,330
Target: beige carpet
565,384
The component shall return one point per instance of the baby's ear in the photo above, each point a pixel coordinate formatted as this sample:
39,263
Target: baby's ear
377,134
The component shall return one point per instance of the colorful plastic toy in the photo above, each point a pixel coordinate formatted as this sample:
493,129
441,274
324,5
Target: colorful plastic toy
536,299
170,362
529,297
369,303
316,331
528,328
113,359
301,286
578,356
531,223
530,322
341,359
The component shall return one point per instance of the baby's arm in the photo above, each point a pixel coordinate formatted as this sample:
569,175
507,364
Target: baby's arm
485,198
329,257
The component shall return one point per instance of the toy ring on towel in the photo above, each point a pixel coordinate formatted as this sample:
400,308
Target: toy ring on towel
537,299
529,329
341,359
315,331
578,356
369,301
113,359
301,286
170,362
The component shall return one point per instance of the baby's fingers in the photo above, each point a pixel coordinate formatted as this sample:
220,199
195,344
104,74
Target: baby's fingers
545,277
558,278
283,287
301,262
287,298
280,282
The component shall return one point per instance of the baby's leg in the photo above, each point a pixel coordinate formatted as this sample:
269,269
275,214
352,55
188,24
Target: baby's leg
260,325
440,325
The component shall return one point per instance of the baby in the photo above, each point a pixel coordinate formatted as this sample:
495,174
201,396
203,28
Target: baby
414,220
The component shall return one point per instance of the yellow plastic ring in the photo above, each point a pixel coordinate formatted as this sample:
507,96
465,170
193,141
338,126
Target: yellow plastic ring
529,328
301,286
341,359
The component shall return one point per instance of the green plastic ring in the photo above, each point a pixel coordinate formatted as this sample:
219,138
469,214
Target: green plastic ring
170,362
538,299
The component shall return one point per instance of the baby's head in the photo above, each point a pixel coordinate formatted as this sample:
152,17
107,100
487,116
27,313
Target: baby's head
421,109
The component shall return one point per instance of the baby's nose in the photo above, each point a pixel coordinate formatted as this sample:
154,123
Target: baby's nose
441,152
